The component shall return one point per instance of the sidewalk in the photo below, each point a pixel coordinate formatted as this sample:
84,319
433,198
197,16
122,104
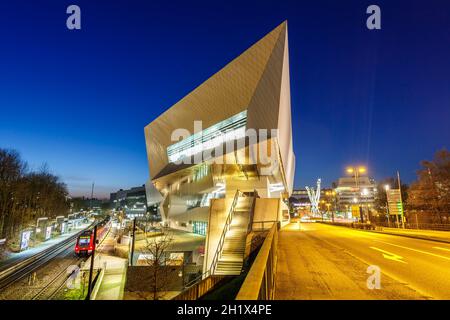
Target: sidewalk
113,281
442,236
16,257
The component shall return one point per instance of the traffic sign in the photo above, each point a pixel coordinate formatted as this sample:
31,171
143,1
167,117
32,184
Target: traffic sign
395,203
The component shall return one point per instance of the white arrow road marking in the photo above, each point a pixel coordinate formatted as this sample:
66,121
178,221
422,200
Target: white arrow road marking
420,251
389,255
445,249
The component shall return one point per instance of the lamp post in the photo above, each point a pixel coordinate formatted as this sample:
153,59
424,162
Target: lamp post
332,195
321,211
401,201
364,194
355,171
91,268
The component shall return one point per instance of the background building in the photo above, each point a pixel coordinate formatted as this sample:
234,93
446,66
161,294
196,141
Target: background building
360,191
132,201
301,205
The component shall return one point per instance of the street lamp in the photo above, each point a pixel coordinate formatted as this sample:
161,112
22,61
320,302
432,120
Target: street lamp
328,208
356,171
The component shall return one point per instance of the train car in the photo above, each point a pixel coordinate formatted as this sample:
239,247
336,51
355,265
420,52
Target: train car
85,243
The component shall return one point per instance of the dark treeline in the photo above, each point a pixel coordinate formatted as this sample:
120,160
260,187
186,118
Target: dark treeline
26,195
429,195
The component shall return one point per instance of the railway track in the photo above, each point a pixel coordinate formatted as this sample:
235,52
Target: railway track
51,288
22,269
55,285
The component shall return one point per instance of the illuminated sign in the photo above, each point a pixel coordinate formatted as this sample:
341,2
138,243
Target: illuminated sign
25,240
355,211
395,203
48,232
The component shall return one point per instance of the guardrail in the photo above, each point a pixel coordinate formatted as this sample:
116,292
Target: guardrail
417,226
263,225
98,282
354,225
260,281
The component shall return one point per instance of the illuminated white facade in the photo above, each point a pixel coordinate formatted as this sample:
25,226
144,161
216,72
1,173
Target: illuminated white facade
250,94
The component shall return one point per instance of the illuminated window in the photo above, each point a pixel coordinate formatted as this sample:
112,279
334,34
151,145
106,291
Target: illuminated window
230,129
199,227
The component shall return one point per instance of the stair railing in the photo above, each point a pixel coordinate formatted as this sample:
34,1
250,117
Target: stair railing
252,211
226,227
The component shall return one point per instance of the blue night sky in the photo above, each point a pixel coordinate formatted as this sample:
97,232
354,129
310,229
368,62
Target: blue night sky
79,100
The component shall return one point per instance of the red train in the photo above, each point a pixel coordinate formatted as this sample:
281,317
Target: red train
85,241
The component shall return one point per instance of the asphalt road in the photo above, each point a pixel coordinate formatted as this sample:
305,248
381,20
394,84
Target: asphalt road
317,261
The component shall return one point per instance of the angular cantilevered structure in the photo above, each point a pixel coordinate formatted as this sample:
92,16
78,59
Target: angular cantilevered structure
229,138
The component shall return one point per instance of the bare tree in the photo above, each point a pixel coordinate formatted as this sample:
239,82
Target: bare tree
158,258
26,195
432,188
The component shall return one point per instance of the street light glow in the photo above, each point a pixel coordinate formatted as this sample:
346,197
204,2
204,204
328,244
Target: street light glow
360,169
387,187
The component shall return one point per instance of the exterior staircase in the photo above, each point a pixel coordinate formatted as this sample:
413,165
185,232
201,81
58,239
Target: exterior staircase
231,257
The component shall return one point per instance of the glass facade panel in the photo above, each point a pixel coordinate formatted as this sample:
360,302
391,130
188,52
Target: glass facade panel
229,129
200,227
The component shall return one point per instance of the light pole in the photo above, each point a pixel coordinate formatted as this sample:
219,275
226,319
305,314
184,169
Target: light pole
401,200
355,171
332,194
328,209
91,268
364,194
132,241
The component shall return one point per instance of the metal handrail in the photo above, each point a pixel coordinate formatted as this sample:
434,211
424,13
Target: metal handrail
250,220
262,222
224,232
259,284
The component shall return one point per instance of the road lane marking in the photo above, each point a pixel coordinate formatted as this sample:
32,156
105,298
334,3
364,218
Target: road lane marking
389,255
440,248
420,251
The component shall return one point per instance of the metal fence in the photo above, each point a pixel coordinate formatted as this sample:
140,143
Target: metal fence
260,281
417,226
